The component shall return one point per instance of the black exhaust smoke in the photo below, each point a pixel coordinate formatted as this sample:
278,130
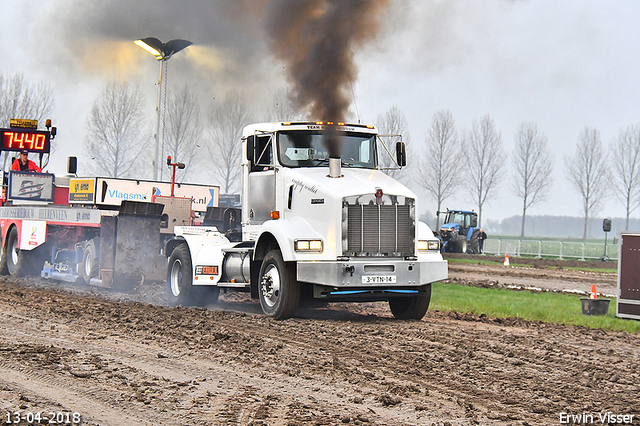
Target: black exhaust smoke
317,39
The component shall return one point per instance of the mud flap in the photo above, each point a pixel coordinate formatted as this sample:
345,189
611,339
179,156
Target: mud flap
130,246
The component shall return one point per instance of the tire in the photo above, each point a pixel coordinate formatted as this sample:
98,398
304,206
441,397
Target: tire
90,261
279,290
461,245
412,307
179,276
3,260
180,288
474,244
17,260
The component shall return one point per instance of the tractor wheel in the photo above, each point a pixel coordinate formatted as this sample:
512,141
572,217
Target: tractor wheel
474,245
17,260
3,259
278,288
461,245
412,307
90,262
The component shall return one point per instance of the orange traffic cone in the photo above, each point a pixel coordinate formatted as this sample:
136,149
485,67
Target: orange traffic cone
594,295
506,259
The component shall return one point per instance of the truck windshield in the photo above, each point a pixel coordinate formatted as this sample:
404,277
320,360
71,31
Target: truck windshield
307,149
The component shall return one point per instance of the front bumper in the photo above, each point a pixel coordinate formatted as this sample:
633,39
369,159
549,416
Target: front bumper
350,273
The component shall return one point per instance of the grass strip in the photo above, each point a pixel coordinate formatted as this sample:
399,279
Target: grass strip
513,262
548,307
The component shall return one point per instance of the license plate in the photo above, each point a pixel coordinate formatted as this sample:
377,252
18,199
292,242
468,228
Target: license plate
378,279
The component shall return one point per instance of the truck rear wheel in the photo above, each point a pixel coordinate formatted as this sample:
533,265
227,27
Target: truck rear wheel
179,276
180,288
411,307
279,289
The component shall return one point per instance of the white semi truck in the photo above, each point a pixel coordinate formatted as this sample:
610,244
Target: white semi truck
312,226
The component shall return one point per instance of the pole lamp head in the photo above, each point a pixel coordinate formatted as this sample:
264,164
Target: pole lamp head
162,51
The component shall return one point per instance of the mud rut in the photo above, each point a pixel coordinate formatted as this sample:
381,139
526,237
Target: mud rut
120,360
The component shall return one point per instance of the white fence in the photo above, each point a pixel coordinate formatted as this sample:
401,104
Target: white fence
557,249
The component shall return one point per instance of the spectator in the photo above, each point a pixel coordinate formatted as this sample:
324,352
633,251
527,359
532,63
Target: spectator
23,164
481,237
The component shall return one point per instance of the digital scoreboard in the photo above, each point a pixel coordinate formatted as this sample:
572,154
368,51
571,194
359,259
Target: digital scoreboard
16,139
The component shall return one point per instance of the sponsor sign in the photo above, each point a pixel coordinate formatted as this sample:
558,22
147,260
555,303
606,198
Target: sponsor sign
51,214
23,123
82,191
31,186
206,270
33,234
111,192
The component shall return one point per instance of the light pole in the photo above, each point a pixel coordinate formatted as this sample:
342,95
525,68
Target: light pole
162,52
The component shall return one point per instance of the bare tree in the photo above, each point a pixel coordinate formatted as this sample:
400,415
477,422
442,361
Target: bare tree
532,165
226,122
484,158
283,108
440,165
183,134
587,170
392,127
117,130
19,99
626,167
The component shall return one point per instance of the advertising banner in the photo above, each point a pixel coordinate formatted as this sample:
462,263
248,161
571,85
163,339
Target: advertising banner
112,191
82,191
31,186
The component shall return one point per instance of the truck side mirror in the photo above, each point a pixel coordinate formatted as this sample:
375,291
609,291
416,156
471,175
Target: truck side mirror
401,154
72,165
250,148
474,221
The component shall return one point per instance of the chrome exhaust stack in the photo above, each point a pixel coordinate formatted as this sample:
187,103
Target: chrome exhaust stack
335,167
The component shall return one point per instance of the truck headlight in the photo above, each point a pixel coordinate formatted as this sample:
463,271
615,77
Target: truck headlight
428,244
307,245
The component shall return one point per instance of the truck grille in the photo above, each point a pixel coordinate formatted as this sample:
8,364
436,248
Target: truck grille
379,230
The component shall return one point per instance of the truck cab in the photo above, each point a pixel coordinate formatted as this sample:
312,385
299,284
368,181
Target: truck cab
321,221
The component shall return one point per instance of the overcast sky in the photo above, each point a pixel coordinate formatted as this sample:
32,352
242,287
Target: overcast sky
563,65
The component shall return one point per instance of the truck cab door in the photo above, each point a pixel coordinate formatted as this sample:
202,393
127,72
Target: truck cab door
262,181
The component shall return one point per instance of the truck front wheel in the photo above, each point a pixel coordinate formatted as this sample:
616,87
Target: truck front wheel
279,289
411,307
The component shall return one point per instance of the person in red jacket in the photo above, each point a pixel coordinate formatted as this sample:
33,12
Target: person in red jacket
23,164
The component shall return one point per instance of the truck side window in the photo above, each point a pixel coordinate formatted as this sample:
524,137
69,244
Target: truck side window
264,152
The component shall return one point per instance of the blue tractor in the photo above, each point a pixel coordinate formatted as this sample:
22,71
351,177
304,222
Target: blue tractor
459,233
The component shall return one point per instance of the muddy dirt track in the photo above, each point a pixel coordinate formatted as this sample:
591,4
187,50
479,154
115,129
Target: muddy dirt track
129,360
